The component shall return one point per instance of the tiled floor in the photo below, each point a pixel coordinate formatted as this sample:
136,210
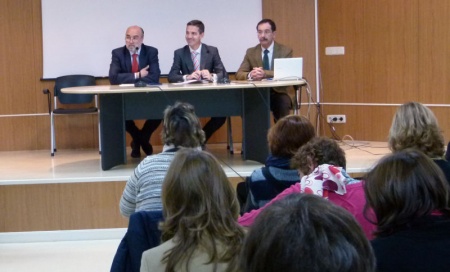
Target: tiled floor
62,256
68,251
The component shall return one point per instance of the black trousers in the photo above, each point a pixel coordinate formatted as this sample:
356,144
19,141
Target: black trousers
280,104
212,126
142,135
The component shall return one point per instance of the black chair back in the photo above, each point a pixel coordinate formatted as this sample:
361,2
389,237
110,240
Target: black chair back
73,81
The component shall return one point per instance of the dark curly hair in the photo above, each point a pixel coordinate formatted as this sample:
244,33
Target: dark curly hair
318,151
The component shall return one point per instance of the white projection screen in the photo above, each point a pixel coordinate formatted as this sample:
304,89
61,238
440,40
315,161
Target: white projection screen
79,35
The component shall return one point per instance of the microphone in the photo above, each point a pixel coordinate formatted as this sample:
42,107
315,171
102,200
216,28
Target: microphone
139,82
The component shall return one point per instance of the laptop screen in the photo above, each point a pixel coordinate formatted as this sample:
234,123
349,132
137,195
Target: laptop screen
288,69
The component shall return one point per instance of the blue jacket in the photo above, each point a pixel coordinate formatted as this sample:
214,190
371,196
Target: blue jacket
142,234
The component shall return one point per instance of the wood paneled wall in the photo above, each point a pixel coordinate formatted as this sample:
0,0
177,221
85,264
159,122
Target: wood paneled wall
395,51
63,206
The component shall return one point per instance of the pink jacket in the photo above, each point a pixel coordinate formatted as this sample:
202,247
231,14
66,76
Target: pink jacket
353,201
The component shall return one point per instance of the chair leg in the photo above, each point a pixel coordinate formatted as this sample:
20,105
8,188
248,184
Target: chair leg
229,136
52,135
298,100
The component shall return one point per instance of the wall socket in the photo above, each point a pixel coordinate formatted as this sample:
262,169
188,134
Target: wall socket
336,118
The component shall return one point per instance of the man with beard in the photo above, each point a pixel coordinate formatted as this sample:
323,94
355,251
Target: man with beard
129,63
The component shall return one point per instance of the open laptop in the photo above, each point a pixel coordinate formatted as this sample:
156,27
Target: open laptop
288,69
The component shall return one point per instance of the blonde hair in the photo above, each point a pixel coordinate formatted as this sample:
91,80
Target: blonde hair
415,126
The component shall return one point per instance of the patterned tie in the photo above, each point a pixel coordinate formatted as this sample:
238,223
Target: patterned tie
195,60
135,65
266,60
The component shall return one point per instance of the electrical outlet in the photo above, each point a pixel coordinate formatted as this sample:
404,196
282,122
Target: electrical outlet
336,118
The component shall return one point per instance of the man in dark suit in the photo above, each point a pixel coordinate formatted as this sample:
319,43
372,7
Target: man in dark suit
253,67
198,61
129,63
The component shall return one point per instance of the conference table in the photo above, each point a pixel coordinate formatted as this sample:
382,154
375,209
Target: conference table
248,99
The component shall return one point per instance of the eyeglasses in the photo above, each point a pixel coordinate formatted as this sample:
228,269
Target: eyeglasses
132,39
260,32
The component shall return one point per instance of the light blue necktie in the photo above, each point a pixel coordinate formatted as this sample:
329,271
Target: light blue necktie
195,60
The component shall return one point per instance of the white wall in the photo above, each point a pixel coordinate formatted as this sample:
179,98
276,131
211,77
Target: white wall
78,36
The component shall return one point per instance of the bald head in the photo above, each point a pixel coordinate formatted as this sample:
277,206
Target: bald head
134,37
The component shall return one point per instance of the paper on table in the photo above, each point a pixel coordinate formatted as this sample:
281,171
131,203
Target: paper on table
191,81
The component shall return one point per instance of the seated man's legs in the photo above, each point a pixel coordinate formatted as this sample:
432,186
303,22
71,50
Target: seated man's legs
280,104
149,127
135,134
212,126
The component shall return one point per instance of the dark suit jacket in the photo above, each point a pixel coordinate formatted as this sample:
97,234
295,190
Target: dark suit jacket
183,65
120,68
142,234
253,59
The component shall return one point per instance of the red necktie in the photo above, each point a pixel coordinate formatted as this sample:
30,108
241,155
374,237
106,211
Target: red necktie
135,65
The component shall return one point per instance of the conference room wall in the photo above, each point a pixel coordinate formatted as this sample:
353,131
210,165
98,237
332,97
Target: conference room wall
24,117
395,51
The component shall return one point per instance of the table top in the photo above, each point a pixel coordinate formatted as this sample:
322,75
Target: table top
129,88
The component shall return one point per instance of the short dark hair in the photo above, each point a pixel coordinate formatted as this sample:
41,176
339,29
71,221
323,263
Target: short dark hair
318,151
304,232
402,187
270,22
181,126
288,134
197,23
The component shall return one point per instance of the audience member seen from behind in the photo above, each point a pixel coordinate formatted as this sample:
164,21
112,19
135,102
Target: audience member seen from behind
415,126
200,231
128,63
321,162
258,65
198,61
409,196
285,138
181,129
305,232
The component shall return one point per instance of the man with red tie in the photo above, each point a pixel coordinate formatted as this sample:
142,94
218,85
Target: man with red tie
129,63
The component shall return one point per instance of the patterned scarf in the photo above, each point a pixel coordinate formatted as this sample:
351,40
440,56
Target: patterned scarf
326,178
